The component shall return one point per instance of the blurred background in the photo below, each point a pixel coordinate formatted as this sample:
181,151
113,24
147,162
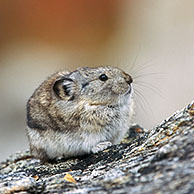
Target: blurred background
152,40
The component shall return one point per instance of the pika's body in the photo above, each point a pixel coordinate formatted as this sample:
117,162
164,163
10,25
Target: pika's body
79,112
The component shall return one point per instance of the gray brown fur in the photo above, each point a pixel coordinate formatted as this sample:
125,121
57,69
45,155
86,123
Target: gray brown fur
74,113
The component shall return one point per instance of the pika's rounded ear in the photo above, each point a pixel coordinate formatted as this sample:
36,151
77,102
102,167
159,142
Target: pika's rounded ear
64,88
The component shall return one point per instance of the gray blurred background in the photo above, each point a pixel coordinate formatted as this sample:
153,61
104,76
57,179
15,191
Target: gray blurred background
38,38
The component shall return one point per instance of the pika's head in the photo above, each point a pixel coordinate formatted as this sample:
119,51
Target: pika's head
96,86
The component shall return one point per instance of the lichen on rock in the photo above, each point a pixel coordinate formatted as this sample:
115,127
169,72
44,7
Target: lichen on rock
158,161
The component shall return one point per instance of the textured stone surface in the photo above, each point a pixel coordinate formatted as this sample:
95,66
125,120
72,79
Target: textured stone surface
157,161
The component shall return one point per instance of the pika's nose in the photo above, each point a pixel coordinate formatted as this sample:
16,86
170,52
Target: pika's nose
128,78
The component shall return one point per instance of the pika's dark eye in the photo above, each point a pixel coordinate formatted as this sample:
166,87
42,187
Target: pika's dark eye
103,77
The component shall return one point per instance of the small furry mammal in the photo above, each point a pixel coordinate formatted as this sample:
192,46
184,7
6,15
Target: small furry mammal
79,112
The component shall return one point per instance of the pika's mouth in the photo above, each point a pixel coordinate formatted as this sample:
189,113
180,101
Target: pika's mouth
129,91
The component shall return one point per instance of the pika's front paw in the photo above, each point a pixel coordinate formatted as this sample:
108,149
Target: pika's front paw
101,146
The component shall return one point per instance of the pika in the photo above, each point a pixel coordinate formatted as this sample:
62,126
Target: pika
79,112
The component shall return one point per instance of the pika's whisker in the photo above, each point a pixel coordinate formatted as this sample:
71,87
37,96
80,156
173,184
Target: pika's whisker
141,68
147,75
148,86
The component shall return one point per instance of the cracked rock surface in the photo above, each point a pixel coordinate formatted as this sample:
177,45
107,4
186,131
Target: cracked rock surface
157,161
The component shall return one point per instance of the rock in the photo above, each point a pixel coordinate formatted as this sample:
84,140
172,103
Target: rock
157,161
